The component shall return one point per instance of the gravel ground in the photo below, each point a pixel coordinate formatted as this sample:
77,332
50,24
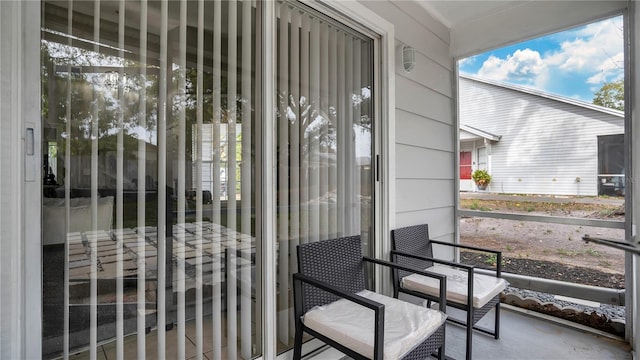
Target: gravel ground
607,318
550,251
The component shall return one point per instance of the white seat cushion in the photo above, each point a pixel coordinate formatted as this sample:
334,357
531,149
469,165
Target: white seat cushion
54,217
485,287
406,325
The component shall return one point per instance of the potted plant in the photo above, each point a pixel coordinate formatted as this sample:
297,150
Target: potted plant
481,178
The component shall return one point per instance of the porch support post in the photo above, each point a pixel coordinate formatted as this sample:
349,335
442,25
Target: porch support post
632,109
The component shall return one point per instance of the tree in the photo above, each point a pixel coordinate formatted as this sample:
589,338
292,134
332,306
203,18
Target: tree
611,95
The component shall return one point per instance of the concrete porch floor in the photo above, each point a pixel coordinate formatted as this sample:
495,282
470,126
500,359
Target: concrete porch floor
524,336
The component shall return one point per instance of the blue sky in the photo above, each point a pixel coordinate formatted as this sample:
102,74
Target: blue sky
573,63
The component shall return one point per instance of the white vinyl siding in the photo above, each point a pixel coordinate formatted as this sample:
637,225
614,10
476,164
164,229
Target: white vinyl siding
415,130
425,151
545,145
438,163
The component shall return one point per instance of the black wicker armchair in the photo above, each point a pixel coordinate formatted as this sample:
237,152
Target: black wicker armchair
412,247
332,303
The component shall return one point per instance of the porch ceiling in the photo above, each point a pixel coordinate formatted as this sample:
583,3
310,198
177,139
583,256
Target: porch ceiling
477,26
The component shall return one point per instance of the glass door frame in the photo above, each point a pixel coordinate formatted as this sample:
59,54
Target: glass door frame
352,13
368,22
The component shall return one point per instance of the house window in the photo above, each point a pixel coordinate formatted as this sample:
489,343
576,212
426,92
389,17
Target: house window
611,165
482,158
325,117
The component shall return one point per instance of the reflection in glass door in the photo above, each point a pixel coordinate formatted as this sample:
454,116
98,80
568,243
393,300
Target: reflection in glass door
149,216
324,144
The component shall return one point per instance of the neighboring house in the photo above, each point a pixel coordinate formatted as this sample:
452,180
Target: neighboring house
537,143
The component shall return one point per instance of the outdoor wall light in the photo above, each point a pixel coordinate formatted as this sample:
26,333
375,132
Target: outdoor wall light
408,58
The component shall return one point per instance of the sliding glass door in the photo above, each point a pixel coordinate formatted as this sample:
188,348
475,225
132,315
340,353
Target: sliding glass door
150,178
324,141
153,183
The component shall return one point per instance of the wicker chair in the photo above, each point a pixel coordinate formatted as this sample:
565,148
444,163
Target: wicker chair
332,303
412,247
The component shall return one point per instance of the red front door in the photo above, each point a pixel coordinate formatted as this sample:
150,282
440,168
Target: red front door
465,165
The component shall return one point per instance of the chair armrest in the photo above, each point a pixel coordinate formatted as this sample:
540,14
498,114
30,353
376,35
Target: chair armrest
466,247
441,278
377,308
497,252
439,261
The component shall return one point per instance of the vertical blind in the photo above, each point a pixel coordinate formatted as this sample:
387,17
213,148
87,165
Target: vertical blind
324,139
149,213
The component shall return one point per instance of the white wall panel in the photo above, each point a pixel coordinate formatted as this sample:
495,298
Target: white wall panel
439,220
416,33
425,149
416,11
468,145
412,129
420,163
415,98
426,72
420,194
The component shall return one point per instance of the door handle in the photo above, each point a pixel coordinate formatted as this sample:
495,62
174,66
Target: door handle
30,158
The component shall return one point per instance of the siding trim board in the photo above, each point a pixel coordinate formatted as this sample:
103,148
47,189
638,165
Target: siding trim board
480,133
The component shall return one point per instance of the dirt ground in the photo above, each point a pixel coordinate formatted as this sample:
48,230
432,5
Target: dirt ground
553,251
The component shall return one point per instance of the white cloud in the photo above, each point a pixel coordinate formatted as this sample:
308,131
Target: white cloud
522,66
594,52
467,61
610,70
